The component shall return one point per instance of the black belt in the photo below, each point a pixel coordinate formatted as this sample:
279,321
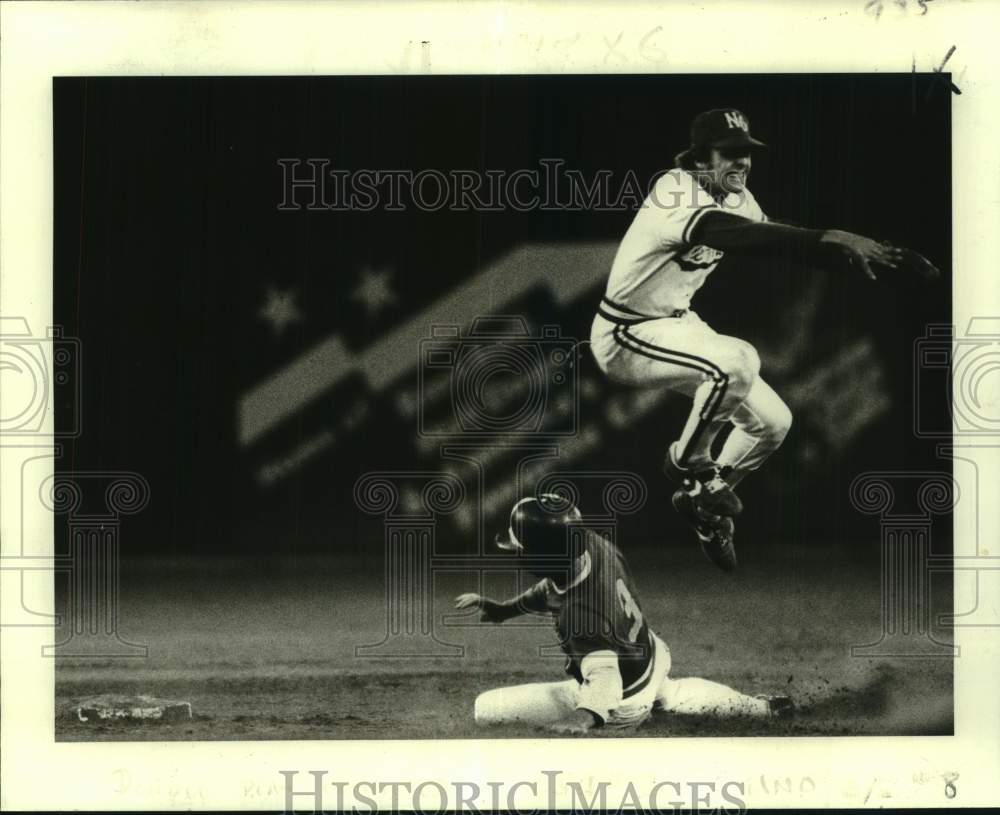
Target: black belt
616,313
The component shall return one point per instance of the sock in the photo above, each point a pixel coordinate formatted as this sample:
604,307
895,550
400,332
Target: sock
693,450
737,447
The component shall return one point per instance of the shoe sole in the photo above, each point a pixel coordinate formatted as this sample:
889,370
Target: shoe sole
719,553
780,707
726,503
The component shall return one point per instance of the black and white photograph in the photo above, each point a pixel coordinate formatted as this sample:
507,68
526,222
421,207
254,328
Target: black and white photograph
362,324
419,407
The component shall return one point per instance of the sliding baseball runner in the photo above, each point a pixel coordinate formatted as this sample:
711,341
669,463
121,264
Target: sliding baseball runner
619,668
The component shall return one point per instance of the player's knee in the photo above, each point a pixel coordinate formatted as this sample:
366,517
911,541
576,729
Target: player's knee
740,365
779,424
752,358
486,711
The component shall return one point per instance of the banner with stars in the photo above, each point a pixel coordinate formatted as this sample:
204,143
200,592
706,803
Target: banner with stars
261,323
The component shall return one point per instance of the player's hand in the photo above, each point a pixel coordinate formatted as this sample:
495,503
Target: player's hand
862,251
917,265
492,611
576,724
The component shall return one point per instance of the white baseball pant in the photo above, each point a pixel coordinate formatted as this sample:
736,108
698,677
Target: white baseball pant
545,703
720,373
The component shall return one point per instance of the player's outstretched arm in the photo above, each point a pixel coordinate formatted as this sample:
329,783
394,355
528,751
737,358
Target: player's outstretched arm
734,233
491,610
531,601
862,251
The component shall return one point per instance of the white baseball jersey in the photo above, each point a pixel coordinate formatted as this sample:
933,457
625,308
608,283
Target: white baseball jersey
657,269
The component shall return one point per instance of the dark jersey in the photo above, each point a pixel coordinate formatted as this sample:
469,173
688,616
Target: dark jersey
602,613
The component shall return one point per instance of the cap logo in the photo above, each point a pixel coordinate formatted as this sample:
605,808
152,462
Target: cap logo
735,119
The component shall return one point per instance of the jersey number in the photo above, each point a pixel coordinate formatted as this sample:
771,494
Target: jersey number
630,608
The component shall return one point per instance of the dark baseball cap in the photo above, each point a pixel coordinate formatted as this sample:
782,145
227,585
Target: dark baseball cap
722,127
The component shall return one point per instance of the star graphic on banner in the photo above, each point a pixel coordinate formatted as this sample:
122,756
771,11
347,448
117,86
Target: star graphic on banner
280,310
374,290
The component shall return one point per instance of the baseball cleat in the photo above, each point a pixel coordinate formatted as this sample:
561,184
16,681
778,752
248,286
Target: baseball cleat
715,533
707,487
779,707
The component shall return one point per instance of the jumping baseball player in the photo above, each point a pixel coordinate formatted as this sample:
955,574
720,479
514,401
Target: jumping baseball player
619,666
646,334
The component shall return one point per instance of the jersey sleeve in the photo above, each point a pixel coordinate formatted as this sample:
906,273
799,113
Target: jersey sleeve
754,211
674,206
745,205
532,601
727,232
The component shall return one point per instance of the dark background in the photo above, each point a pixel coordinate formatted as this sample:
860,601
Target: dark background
168,236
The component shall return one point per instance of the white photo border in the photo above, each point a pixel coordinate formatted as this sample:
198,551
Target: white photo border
48,39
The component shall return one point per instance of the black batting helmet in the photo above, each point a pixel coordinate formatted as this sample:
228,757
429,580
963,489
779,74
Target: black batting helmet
542,527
